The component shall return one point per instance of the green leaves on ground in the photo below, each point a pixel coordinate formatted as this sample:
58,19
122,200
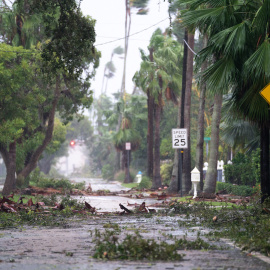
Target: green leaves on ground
133,247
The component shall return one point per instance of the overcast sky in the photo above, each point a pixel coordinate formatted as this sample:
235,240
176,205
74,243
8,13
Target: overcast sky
110,25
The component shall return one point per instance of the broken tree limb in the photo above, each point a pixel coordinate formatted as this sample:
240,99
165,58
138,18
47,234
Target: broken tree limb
124,208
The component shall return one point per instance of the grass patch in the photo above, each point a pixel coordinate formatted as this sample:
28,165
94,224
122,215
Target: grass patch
129,185
188,199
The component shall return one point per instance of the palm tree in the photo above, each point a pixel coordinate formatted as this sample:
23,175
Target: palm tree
140,5
110,69
200,131
129,107
159,75
239,40
186,182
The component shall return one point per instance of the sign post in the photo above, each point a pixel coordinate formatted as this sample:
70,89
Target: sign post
128,148
207,139
179,141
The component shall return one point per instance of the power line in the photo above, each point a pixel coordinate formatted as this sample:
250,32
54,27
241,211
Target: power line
190,48
132,34
105,42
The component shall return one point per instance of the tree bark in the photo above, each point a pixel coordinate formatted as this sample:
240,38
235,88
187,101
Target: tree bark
150,130
157,178
125,163
200,131
180,122
127,32
211,174
264,161
186,183
10,162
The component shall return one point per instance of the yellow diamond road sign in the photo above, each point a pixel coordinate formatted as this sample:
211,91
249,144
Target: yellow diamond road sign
265,93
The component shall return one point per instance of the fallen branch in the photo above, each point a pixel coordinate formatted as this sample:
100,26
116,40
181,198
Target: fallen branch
125,209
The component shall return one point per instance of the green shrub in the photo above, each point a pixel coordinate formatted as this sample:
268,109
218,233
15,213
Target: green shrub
245,169
80,185
34,175
166,172
107,172
120,176
54,183
67,201
239,190
132,175
145,183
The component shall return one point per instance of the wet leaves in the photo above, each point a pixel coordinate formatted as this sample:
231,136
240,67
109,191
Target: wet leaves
133,247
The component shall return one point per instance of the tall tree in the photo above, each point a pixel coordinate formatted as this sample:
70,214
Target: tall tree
140,5
239,41
60,77
159,76
186,186
200,131
110,69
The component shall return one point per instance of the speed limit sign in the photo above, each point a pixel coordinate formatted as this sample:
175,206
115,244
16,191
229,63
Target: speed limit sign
179,138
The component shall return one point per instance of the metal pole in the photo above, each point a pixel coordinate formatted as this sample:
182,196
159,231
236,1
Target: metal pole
180,164
128,163
207,150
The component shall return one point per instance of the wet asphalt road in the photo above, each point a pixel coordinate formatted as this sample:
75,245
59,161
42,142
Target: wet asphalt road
34,248
50,248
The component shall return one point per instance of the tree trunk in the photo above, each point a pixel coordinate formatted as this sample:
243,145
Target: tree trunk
174,187
264,161
48,135
125,163
211,174
157,178
45,163
187,152
150,135
10,162
150,130
127,31
200,131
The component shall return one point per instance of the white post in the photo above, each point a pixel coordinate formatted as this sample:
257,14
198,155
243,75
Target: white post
195,179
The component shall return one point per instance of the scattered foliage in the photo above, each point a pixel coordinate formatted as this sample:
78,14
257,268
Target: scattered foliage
145,183
133,247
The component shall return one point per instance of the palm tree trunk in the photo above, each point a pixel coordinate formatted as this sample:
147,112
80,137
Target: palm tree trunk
127,31
150,135
264,161
157,178
211,175
200,131
150,130
187,153
125,163
174,185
